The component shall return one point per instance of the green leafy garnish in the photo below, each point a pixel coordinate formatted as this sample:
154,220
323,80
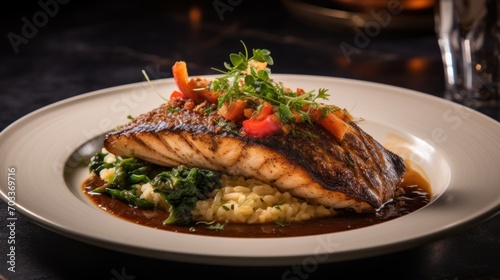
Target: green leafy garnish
182,187
129,197
130,171
97,163
258,84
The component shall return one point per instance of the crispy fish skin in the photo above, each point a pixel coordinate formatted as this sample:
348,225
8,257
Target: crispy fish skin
357,172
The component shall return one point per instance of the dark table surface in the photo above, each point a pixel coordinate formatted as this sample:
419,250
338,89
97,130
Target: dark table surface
81,46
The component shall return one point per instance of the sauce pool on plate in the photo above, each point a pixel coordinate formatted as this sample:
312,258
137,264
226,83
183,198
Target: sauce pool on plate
415,193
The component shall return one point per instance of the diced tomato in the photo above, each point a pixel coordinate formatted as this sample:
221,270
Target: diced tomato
316,114
343,114
248,112
181,78
233,111
266,110
335,125
177,94
189,105
296,116
332,121
210,96
262,128
199,86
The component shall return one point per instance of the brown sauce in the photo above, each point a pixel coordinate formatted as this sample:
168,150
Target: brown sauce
415,194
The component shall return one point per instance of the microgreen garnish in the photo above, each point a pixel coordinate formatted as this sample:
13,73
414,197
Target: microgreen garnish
310,134
209,110
307,134
217,227
212,226
349,161
282,223
173,109
225,207
248,77
228,126
151,85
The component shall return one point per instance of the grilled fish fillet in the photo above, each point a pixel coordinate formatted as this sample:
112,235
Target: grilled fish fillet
357,172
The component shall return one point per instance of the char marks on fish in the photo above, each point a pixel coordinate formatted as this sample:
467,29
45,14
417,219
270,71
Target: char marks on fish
356,172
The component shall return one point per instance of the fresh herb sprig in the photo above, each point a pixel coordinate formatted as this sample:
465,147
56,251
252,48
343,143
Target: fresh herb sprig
243,79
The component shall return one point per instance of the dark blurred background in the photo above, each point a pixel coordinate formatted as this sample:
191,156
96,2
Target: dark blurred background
89,45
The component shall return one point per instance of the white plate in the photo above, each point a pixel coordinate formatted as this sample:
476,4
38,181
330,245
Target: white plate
457,148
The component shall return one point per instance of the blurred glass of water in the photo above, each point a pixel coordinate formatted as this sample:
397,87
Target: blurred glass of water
469,37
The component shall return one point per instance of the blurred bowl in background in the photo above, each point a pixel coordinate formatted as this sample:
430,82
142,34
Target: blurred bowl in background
394,17
368,5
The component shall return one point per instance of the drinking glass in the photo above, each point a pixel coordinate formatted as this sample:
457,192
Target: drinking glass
469,38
